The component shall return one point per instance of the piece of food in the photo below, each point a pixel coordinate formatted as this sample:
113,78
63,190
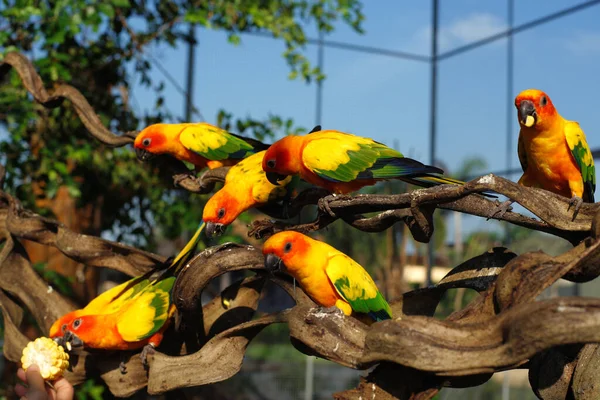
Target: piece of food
46,354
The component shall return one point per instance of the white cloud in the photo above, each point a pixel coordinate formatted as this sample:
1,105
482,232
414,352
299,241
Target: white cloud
476,26
584,43
461,31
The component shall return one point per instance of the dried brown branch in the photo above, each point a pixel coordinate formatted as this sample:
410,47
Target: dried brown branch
416,208
52,98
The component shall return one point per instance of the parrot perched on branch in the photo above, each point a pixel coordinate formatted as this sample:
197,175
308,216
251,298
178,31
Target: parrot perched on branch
328,276
553,151
246,186
129,316
343,163
200,143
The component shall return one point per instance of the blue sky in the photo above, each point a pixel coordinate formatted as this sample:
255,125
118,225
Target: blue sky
387,98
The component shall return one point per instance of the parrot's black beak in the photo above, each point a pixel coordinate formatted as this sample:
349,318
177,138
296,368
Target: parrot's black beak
143,155
527,113
213,228
69,341
272,263
274,178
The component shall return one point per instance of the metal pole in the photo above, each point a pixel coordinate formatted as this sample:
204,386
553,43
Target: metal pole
189,104
319,102
432,121
509,141
309,376
509,100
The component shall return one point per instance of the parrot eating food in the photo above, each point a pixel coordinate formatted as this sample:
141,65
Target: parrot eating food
129,316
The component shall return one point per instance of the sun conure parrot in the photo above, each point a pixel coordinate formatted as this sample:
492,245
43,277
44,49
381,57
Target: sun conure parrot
553,151
200,143
246,186
327,275
342,163
129,316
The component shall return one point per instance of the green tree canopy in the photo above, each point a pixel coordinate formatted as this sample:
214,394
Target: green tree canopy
90,45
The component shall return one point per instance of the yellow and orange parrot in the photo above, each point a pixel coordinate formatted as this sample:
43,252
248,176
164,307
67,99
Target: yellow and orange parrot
246,186
327,275
553,151
342,163
200,143
129,316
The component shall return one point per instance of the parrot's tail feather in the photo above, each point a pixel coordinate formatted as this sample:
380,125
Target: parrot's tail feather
174,265
432,180
379,315
256,144
397,167
185,254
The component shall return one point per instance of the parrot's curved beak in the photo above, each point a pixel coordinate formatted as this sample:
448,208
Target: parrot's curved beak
272,263
213,228
69,341
527,113
143,155
274,178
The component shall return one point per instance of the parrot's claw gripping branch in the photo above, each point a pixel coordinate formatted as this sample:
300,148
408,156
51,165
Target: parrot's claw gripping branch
576,202
201,185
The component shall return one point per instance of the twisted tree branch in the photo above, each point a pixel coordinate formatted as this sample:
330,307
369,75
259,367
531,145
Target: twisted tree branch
415,208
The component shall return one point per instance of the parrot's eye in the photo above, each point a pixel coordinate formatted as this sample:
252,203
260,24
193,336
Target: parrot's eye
221,213
271,163
63,328
76,323
543,101
287,248
146,142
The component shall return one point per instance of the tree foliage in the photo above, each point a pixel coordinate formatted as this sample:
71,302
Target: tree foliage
93,45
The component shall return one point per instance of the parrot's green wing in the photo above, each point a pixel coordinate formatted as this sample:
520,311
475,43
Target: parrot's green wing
341,157
583,157
143,315
112,300
216,144
354,284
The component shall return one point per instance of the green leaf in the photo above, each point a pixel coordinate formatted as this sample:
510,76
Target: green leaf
121,3
234,39
106,9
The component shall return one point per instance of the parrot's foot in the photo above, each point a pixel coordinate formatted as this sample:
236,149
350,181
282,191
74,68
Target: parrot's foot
501,209
576,202
148,349
331,310
323,203
177,179
122,367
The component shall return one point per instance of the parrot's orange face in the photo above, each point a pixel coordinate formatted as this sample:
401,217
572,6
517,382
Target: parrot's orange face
72,328
220,210
288,247
535,109
282,159
153,140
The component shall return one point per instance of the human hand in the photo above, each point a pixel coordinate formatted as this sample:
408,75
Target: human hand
38,390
